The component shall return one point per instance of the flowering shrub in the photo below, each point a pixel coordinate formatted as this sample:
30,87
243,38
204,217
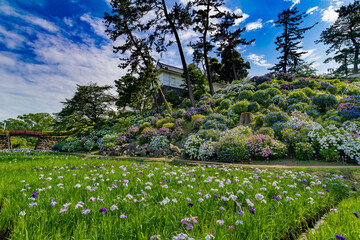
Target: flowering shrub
89,144
352,126
107,143
133,132
233,148
159,142
326,137
206,150
164,132
161,122
192,146
240,107
262,97
296,97
291,137
253,107
325,101
190,112
210,134
350,108
304,151
240,130
205,109
262,146
285,76
274,117
216,121
245,95
147,135
121,139
177,134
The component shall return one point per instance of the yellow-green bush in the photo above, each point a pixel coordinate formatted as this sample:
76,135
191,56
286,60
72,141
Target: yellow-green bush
196,117
4,132
168,125
144,125
59,133
161,122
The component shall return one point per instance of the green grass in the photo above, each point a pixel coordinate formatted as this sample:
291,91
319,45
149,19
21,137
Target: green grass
303,196
342,221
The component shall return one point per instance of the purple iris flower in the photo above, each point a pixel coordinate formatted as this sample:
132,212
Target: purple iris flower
103,209
190,204
35,194
222,208
239,213
356,214
340,237
276,197
252,211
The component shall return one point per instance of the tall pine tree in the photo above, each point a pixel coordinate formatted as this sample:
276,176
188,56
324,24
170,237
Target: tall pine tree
288,43
345,33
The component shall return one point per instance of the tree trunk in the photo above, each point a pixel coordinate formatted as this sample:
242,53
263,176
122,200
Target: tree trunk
234,71
356,59
211,87
183,61
163,98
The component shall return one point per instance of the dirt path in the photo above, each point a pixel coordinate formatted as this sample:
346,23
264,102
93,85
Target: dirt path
286,164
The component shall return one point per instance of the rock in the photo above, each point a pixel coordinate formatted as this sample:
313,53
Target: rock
158,152
174,148
143,153
245,118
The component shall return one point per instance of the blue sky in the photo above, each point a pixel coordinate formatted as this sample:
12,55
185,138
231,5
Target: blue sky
48,46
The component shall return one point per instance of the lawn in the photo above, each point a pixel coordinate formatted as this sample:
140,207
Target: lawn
57,196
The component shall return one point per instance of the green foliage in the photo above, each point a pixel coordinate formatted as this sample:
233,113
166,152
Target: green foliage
210,134
144,125
273,92
233,149
218,102
261,97
254,107
304,151
274,117
309,92
325,101
198,79
330,154
297,96
186,103
245,95
240,107
266,131
123,124
173,97
161,122
31,122
259,121
169,125
225,104
332,89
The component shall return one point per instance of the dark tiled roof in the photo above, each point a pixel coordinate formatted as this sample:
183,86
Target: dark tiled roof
169,68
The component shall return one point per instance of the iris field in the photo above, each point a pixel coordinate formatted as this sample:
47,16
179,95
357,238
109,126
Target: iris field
57,196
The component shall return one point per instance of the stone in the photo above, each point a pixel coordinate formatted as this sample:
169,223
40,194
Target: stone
245,118
143,153
174,148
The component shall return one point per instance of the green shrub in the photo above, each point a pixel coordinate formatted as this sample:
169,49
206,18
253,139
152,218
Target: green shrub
253,107
259,121
325,101
233,149
263,86
225,104
178,113
273,92
297,106
161,122
240,107
332,89
186,103
210,134
308,92
144,125
261,97
4,132
224,112
297,96
196,120
245,95
218,102
274,117
266,131
168,125
329,154
304,151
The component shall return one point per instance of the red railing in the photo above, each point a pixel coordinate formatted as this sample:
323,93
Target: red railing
24,132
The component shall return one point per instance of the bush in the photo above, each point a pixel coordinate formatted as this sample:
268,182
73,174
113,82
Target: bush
178,113
186,103
263,86
205,109
332,89
159,142
218,102
273,92
210,134
161,122
253,107
89,144
266,131
233,149
216,121
169,125
225,104
291,137
192,146
108,142
147,135
297,106
308,92
325,101
197,120
263,146
4,132
329,154
259,121
297,96
144,125
304,151
261,97
240,107
173,97
245,95
274,117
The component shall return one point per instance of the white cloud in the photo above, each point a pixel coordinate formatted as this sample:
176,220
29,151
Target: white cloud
97,24
312,10
294,2
68,21
329,15
254,25
11,39
244,16
28,18
259,60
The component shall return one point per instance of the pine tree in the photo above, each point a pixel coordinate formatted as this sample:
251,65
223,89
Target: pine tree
345,32
288,43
